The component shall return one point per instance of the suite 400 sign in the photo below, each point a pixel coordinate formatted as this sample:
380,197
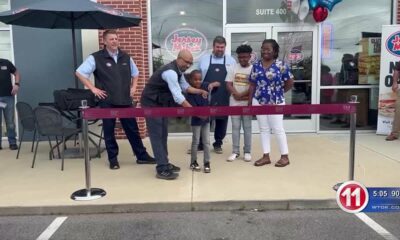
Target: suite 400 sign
186,38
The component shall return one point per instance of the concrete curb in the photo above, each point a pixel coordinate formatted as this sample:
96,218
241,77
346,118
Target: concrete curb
171,207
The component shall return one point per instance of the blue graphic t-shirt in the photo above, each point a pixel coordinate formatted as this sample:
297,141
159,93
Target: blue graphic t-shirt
270,82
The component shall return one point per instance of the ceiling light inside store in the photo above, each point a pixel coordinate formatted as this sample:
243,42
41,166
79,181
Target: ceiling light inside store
182,13
183,24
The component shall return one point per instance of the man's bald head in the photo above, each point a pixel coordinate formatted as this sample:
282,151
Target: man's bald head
185,54
184,60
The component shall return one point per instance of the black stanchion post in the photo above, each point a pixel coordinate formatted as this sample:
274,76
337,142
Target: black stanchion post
353,124
88,193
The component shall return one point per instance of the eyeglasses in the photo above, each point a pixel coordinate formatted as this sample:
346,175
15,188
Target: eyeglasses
187,62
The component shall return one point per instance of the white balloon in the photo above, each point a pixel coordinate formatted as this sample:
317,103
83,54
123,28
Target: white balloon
304,10
295,5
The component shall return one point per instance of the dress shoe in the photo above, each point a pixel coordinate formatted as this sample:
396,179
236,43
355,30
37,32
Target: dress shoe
13,147
148,160
263,161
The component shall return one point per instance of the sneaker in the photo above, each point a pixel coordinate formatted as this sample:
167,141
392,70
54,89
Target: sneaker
149,160
1,147
167,175
218,149
247,157
232,157
13,147
207,168
114,165
173,168
195,166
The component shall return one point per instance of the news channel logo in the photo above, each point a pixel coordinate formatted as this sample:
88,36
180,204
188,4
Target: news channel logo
354,197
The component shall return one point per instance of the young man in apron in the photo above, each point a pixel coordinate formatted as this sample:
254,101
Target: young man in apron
214,68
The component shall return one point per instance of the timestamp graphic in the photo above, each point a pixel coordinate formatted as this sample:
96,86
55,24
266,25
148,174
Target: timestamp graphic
383,199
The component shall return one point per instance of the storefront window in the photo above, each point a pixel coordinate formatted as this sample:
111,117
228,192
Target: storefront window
183,24
350,58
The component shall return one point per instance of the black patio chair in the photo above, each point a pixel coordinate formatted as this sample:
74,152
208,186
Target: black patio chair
49,123
28,122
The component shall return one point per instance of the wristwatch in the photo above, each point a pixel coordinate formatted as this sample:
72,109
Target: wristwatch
17,83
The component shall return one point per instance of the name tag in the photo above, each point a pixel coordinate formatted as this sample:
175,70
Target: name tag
3,67
124,64
108,64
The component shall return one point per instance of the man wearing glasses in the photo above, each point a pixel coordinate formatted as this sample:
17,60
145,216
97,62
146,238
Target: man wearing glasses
164,89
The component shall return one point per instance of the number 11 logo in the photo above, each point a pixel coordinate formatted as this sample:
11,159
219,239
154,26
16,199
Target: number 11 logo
352,197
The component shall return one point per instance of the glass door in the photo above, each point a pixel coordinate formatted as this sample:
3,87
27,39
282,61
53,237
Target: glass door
298,48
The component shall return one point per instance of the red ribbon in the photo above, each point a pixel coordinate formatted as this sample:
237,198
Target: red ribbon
95,113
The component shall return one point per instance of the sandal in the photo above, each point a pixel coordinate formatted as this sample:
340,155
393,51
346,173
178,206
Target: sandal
282,162
392,136
262,161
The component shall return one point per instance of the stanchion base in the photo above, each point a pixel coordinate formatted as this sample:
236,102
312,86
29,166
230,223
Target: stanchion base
84,195
337,186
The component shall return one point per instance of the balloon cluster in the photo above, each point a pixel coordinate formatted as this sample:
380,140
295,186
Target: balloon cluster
318,7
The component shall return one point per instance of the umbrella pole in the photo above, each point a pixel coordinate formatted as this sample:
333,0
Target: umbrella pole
74,54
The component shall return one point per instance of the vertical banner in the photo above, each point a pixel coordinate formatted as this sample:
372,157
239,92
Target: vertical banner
390,54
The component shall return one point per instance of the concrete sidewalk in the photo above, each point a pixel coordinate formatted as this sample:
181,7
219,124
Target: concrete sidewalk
318,161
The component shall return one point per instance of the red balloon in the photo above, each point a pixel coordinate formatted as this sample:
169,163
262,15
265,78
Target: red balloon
320,14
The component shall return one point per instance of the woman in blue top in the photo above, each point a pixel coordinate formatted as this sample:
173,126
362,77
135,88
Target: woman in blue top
270,78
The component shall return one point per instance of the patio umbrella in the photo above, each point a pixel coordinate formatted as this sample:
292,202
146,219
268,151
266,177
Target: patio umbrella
69,14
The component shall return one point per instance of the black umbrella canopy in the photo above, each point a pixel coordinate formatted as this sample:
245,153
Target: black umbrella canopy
69,14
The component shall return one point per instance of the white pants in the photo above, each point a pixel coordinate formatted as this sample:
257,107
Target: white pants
267,123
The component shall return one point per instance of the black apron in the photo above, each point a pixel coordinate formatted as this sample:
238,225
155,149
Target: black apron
217,72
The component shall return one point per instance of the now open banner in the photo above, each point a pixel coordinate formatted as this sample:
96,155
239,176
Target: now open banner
390,54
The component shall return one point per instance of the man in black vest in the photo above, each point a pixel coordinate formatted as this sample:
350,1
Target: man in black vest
116,77
7,100
164,89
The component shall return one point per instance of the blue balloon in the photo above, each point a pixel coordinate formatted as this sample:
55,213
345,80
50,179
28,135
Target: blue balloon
313,3
329,4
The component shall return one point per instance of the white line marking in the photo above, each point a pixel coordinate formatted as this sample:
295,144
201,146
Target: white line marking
52,228
376,227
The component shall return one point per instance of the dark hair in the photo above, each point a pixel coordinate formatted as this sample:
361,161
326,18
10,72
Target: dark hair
219,39
244,49
192,73
109,31
275,46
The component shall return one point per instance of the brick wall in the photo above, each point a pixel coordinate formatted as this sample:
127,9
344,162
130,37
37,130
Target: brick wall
134,41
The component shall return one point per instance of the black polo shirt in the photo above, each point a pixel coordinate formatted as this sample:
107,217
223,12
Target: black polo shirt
6,69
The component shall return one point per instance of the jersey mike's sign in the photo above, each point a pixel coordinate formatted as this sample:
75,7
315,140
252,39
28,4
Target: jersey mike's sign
393,44
390,52
186,38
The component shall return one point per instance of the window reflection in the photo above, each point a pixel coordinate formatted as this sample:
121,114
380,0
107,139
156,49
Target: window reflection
193,20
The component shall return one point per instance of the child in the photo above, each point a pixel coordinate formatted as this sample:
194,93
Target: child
238,84
200,125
